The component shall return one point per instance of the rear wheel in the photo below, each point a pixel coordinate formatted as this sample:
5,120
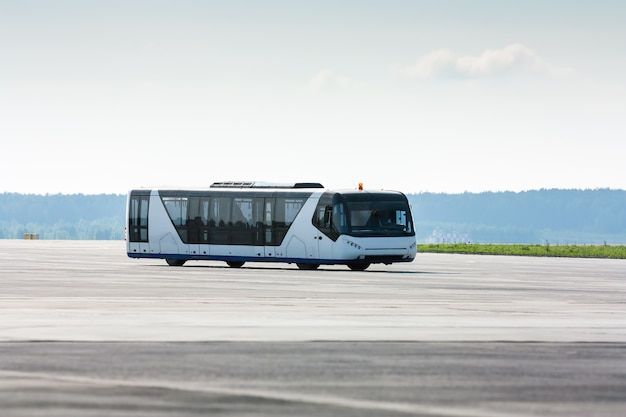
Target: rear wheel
308,267
235,264
175,262
359,267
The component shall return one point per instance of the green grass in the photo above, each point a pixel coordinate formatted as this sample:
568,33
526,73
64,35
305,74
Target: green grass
571,251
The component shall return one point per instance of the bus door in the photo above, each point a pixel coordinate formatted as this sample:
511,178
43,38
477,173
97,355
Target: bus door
261,224
269,247
324,243
138,222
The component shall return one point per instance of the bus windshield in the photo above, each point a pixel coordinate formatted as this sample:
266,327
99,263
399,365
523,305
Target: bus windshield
379,218
371,214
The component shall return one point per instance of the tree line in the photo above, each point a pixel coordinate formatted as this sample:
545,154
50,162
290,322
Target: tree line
62,216
556,215
549,215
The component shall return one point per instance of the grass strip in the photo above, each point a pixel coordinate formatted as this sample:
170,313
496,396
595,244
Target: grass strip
570,251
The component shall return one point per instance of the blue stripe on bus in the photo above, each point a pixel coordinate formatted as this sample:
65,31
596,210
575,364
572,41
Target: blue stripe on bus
255,259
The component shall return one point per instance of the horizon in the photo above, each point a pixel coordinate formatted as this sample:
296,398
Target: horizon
453,97
325,188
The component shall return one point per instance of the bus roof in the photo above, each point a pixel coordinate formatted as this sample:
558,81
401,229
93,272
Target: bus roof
257,184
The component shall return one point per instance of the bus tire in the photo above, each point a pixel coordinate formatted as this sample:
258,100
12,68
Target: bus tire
307,267
235,264
359,267
175,262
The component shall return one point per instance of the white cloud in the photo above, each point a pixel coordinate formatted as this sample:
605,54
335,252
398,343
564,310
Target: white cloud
329,80
515,58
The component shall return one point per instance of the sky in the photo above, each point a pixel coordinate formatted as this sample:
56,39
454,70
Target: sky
416,96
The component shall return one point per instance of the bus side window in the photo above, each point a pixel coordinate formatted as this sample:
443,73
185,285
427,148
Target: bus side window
340,218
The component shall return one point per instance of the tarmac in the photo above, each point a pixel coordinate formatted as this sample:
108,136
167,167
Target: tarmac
87,331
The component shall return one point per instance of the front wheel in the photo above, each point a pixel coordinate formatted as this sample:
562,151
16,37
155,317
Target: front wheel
308,267
359,267
235,264
175,262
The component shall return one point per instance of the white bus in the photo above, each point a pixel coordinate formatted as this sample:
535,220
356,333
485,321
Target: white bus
300,223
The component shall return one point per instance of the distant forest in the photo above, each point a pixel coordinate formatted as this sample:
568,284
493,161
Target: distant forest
552,216
63,216
543,216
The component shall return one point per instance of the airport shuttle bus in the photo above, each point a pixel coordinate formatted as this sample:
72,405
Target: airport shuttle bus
301,223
